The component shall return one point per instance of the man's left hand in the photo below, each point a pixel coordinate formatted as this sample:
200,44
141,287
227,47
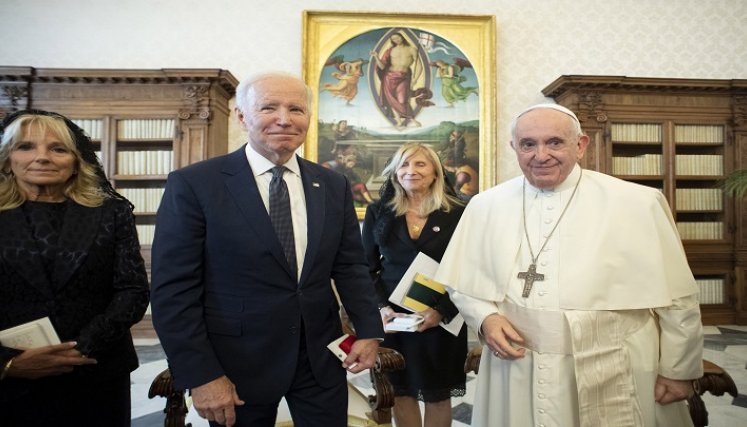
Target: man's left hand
362,355
668,390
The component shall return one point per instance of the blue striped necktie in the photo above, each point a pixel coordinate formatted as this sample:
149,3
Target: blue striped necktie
280,216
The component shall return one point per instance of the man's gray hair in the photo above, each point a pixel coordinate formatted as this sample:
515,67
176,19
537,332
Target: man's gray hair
246,85
556,107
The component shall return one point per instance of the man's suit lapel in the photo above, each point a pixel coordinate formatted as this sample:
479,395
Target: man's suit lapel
243,187
315,193
20,252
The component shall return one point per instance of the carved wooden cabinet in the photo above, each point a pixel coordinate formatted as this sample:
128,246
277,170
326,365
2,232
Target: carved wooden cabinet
681,136
145,123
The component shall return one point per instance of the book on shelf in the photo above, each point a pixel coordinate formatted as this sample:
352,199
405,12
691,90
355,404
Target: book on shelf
644,164
711,291
424,268
699,199
146,200
145,233
699,134
702,230
642,133
145,162
146,129
92,127
699,164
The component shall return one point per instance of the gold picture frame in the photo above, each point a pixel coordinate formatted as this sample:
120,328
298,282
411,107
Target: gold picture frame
379,80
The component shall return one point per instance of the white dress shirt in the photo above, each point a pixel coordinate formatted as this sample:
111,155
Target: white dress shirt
262,169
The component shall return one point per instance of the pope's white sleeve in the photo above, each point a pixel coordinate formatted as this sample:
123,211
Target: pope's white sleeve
681,339
474,310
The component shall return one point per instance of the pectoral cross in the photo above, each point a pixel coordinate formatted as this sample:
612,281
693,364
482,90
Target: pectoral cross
529,277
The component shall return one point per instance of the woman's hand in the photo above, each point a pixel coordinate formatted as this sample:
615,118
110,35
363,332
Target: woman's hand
47,361
431,319
387,314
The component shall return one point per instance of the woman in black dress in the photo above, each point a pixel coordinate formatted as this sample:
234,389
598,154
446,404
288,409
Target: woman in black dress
417,212
68,252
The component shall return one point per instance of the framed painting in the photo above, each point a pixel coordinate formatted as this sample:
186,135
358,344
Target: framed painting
381,80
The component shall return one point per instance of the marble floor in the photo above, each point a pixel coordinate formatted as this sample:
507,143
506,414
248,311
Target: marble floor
725,346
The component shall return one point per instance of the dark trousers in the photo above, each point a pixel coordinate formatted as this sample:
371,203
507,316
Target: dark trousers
310,404
66,402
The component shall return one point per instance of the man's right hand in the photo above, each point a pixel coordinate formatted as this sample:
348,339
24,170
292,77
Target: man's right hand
500,335
215,401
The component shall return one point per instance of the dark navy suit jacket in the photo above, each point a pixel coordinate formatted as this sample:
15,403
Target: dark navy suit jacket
223,298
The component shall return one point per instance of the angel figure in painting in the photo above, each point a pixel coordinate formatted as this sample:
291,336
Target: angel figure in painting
451,80
348,74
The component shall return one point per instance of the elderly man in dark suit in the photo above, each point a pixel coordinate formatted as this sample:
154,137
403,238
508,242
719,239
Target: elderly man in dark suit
245,249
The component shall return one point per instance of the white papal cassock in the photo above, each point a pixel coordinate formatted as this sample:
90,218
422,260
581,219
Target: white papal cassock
617,306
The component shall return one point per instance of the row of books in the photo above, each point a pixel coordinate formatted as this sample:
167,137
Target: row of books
151,129
157,162
145,233
711,291
705,230
685,164
92,127
636,132
645,164
699,134
699,164
651,133
699,199
144,199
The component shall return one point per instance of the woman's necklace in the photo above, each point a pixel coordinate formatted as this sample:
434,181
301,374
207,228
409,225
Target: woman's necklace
531,275
415,223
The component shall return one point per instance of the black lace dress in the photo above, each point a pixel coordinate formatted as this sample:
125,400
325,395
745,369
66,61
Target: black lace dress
82,268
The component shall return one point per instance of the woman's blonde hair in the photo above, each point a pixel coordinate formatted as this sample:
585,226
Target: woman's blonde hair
441,197
83,187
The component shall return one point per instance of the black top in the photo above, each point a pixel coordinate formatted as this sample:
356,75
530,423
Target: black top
82,268
435,358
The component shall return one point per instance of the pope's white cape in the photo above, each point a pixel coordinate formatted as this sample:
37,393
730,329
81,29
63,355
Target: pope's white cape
616,242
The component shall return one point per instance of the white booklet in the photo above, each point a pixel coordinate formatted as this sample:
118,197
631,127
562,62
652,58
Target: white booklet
405,323
422,268
37,333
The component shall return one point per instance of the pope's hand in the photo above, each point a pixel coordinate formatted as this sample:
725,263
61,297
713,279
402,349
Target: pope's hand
500,337
668,390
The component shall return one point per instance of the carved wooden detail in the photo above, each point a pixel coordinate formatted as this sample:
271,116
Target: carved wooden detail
590,106
740,111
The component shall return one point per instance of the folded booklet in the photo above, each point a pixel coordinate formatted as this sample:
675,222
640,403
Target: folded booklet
416,291
341,347
405,323
34,334
424,293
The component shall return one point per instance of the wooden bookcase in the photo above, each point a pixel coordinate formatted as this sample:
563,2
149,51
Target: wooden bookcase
144,122
681,136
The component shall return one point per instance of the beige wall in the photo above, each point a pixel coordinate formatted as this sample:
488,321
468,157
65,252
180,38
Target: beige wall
537,40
